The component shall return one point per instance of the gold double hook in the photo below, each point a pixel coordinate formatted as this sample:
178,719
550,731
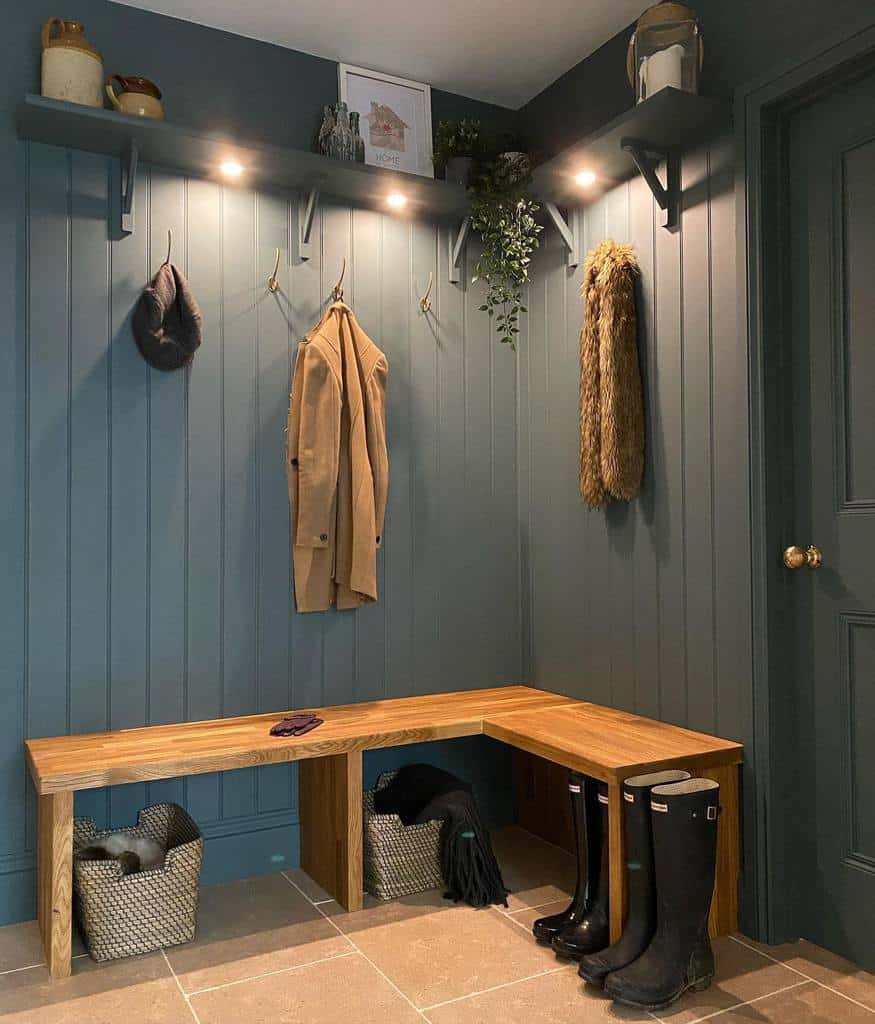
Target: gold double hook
169,247
425,301
272,282
337,291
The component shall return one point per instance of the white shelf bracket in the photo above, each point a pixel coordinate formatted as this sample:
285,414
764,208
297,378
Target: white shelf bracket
306,210
457,242
570,232
128,184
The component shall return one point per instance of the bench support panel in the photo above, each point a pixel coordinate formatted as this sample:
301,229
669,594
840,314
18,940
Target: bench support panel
330,808
55,880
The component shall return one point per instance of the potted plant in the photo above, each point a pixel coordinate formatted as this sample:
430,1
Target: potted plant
503,214
456,145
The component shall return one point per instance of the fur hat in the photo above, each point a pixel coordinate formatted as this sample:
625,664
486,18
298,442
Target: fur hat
167,321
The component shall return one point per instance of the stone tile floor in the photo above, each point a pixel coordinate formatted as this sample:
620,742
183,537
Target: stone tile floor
277,950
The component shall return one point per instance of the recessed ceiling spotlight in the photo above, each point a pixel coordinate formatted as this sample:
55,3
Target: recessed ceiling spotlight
231,169
397,201
585,178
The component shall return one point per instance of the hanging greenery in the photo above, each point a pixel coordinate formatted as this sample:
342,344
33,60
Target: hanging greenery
503,214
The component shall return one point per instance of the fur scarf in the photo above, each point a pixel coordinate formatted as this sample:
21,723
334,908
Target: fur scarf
611,405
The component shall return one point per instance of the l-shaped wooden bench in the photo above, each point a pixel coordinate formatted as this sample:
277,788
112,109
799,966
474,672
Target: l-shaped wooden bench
600,742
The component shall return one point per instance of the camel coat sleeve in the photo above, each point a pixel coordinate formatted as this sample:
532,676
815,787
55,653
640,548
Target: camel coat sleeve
315,450
377,449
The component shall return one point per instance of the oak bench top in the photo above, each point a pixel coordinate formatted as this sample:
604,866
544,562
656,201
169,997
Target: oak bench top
92,760
596,740
609,744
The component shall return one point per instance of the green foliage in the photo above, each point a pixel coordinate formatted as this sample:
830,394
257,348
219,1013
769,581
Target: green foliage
503,215
456,138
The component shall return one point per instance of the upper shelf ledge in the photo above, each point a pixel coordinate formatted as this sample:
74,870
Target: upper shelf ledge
669,122
200,154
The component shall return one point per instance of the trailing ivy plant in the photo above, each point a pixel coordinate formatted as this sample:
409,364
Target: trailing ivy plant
503,214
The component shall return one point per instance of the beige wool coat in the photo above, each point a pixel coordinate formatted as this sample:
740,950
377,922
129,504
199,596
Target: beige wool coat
338,466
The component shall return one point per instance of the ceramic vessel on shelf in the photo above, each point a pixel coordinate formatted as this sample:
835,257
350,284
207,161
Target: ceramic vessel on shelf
137,96
458,169
72,69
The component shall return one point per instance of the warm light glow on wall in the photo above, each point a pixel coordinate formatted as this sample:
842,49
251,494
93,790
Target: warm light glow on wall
397,201
585,178
231,169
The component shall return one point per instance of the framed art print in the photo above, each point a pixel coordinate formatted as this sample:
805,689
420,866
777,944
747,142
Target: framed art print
395,118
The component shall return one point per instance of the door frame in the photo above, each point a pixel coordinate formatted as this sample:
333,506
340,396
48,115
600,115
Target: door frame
762,108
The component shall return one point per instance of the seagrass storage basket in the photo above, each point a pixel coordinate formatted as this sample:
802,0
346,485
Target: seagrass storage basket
122,915
399,859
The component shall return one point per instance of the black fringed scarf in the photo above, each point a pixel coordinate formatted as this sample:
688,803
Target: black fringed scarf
422,792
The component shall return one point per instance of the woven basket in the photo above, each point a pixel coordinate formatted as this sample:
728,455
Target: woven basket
122,915
399,859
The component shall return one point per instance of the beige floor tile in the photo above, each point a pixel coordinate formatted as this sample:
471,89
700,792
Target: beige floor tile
140,990
529,915
808,1003
825,967
252,927
557,998
437,952
20,946
346,990
742,974
311,889
534,871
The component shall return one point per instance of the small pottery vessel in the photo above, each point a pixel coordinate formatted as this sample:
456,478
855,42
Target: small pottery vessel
72,69
458,169
136,96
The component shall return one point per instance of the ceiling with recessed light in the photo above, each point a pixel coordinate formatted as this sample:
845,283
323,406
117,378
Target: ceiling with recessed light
501,51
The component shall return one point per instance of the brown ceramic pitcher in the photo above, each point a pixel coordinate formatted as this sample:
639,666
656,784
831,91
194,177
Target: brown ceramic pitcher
136,95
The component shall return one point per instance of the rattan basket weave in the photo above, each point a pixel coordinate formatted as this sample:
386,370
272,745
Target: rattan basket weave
121,915
399,859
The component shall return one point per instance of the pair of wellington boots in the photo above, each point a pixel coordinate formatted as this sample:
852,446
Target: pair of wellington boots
584,926
671,852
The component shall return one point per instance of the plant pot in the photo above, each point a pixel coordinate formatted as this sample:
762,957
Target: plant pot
458,170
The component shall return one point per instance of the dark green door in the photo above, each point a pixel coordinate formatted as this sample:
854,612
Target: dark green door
830,175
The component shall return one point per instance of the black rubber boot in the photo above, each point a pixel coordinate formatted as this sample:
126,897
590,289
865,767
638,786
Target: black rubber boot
545,929
589,929
684,821
641,921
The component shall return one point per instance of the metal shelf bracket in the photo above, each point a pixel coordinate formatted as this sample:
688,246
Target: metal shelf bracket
647,158
306,210
568,229
128,184
457,240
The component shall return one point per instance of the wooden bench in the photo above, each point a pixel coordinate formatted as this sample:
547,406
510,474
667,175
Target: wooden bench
606,744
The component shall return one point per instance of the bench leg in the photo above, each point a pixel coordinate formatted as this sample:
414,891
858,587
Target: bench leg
330,807
55,880
724,905
617,860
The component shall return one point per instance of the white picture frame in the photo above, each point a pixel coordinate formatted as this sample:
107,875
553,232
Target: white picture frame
402,140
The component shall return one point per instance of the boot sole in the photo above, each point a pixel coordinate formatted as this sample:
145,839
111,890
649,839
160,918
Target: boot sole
592,977
699,985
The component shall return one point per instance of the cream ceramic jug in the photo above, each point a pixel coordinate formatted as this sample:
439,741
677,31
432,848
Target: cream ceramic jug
137,96
72,69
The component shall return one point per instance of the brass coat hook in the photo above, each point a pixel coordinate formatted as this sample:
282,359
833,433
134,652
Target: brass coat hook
169,247
425,301
338,289
272,282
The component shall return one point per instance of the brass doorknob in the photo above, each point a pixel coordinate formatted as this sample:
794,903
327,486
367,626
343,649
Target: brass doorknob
798,558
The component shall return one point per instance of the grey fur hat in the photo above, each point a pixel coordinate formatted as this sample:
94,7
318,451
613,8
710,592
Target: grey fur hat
167,321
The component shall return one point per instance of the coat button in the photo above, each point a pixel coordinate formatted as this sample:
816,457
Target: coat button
323,536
